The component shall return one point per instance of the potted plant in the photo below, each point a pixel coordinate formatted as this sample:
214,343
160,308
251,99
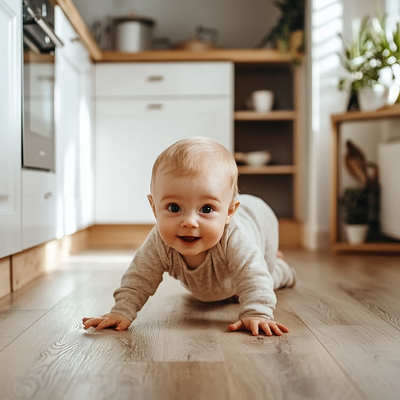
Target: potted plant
370,59
355,205
287,34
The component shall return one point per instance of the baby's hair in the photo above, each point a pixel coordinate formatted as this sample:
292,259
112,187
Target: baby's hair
189,157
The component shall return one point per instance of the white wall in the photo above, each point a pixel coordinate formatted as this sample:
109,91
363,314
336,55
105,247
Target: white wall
241,23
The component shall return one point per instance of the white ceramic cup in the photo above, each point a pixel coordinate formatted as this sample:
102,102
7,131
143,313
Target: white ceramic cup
263,100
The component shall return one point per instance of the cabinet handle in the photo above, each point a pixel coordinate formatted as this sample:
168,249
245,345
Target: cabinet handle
154,106
3,197
155,78
75,39
47,195
45,78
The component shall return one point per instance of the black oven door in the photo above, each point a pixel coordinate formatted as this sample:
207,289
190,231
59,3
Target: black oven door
38,104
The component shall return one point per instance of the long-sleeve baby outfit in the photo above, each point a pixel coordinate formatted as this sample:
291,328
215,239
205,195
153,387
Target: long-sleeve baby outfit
244,262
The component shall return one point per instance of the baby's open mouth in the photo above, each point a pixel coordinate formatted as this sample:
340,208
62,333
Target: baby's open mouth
189,239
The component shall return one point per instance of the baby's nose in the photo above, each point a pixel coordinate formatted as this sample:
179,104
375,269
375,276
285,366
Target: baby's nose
190,220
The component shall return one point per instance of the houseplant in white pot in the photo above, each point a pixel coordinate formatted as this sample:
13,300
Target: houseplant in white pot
355,208
371,59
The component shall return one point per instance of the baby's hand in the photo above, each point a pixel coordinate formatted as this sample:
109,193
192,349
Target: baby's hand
108,320
252,324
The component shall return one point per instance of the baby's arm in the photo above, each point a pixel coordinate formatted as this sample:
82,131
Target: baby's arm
120,322
253,324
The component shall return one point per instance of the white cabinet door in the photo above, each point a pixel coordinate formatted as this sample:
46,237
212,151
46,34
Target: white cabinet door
39,211
130,134
74,135
10,126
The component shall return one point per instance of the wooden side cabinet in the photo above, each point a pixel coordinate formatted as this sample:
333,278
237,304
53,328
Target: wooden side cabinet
337,121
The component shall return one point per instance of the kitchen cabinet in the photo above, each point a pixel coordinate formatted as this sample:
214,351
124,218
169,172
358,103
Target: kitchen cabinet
74,134
140,110
10,131
39,211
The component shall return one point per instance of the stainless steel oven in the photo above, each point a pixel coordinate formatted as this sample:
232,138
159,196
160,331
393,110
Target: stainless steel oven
38,104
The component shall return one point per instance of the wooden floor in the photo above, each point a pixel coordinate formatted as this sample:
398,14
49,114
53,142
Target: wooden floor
344,343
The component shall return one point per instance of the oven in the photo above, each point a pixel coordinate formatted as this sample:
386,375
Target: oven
39,43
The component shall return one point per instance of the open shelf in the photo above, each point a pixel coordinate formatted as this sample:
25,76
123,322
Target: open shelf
266,169
368,247
382,244
276,115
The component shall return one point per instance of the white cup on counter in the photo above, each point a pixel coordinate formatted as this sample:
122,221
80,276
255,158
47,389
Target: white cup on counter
263,100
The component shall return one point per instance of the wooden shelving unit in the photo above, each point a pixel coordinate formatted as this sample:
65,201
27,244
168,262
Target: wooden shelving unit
337,121
276,131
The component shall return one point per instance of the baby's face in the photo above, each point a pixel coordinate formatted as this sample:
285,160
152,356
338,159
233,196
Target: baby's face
192,212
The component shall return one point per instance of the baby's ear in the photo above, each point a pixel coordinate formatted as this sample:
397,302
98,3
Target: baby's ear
231,210
153,206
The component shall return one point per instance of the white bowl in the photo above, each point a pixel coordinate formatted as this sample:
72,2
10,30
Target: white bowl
257,158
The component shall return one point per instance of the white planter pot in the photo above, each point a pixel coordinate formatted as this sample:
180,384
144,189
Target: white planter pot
356,234
371,98
393,94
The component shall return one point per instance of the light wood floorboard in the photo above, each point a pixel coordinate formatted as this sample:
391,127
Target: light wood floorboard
344,316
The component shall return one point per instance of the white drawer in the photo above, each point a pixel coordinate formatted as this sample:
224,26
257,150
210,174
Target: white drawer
73,49
164,78
39,212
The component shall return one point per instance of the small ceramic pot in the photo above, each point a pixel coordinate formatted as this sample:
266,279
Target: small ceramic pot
356,234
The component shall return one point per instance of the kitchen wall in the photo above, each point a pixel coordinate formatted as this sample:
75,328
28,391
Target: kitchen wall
241,23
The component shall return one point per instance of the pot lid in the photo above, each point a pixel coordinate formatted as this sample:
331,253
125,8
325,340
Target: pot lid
134,18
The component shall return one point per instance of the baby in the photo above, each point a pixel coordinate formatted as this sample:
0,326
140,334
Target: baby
203,238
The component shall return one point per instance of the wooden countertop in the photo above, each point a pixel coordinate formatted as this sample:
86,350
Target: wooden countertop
234,55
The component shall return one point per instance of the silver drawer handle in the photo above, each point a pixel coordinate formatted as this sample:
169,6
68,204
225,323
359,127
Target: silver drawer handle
41,78
155,78
47,195
154,106
3,197
75,39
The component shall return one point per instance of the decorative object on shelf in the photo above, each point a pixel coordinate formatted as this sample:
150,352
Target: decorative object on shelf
253,158
288,34
361,204
204,39
102,31
262,100
373,60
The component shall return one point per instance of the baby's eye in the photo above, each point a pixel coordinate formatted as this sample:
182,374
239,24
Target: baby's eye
174,208
206,209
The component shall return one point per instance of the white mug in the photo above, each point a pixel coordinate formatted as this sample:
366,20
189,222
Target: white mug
263,100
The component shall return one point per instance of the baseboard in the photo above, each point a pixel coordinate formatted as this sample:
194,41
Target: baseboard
118,236
5,276
31,263
21,268
315,239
